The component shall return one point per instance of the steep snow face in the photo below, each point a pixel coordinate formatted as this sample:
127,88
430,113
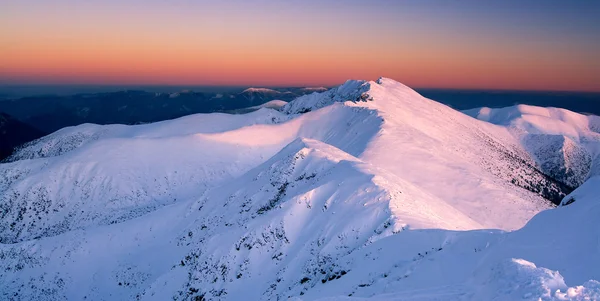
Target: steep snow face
566,145
367,193
434,145
563,158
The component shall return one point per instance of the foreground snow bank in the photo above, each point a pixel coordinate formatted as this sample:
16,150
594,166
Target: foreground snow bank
554,257
519,279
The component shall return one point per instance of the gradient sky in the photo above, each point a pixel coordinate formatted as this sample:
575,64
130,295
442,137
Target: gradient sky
523,45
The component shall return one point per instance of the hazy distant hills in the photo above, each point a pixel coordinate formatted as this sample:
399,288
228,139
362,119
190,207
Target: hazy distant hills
41,115
50,113
581,102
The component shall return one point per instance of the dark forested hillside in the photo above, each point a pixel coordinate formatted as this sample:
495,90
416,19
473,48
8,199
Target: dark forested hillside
14,133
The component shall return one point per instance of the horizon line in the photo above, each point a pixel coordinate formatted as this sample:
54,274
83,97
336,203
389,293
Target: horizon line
126,87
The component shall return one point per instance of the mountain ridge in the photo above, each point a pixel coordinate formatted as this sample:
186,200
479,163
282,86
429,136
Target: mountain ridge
364,190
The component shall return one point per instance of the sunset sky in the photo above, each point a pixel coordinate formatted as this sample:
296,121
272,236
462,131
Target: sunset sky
521,45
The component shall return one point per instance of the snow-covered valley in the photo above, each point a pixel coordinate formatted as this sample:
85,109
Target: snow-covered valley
367,190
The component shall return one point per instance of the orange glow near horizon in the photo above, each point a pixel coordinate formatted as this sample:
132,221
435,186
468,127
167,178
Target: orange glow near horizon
125,47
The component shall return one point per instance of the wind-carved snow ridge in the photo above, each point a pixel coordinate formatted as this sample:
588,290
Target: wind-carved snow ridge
364,191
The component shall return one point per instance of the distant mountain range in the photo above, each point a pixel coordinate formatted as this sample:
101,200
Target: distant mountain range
45,114
581,102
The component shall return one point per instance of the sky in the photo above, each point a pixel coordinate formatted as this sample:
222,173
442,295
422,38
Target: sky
513,45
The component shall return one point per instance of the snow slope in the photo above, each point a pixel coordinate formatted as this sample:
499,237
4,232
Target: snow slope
368,190
90,174
273,104
566,145
553,257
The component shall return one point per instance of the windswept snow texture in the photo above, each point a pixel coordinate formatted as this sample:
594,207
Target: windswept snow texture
367,190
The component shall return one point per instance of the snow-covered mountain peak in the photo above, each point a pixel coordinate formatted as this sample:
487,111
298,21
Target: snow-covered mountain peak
360,92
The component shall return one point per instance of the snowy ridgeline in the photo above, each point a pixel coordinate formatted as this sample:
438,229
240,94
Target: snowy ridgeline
367,190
